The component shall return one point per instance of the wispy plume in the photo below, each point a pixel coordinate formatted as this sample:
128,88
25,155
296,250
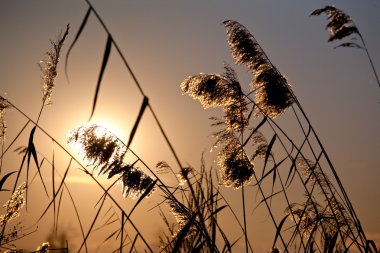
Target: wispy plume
340,25
235,168
13,205
273,93
105,152
212,90
3,106
49,65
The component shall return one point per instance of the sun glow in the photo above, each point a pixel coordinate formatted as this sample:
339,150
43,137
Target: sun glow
107,126
100,131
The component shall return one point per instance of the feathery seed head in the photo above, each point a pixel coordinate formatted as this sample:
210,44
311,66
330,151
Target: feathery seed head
236,169
49,65
273,93
100,147
304,218
244,47
184,175
312,172
135,182
3,106
235,116
340,24
180,212
211,90
14,205
103,150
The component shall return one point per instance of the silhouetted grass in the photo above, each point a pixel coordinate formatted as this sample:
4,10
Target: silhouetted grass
254,152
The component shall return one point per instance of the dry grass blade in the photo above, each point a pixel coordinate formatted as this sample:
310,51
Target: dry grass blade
58,190
32,151
84,22
15,139
92,224
278,229
184,231
107,52
268,152
4,178
55,222
144,104
133,243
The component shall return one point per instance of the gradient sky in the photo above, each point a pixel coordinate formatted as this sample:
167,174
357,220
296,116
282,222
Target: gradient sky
166,41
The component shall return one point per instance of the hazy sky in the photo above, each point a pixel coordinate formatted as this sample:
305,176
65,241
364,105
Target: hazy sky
166,41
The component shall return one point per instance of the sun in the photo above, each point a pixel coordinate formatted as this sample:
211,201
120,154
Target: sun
107,126
103,128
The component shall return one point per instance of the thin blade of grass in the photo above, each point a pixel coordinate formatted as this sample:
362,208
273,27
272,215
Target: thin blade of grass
92,224
106,224
268,152
84,22
137,122
32,151
77,214
333,242
182,234
108,238
369,244
266,198
106,55
15,139
278,230
216,211
42,162
271,171
227,245
291,170
133,243
59,208
254,131
3,179
122,232
19,172
55,195
53,184
145,193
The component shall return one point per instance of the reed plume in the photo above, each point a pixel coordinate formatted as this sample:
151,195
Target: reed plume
13,205
49,65
340,26
235,168
273,93
105,152
3,106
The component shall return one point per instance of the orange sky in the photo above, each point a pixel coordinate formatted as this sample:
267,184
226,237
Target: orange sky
166,41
